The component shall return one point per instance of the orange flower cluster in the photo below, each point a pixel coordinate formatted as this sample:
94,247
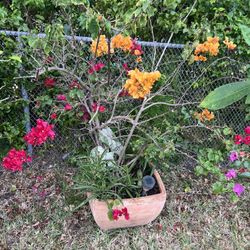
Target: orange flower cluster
140,83
230,45
122,42
205,115
102,48
211,46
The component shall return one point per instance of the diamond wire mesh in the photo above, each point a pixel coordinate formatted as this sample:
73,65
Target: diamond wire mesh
190,84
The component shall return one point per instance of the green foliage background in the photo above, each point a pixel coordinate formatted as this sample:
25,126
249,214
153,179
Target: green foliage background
146,19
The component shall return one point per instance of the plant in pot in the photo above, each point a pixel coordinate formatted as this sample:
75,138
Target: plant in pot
110,97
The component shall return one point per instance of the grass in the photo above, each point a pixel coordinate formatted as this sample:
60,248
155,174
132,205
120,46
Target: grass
37,213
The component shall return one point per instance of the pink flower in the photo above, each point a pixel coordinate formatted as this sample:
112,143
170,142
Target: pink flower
238,139
96,68
15,159
136,48
48,60
123,93
61,98
247,130
116,213
39,134
49,82
238,189
67,107
125,67
246,140
100,108
86,116
53,116
125,213
74,84
231,174
233,156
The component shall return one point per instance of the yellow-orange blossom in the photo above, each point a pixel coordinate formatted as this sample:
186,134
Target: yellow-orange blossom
140,83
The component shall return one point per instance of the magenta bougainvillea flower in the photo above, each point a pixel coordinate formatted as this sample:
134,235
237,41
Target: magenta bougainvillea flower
96,68
96,107
67,107
116,213
74,85
238,189
15,159
61,97
238,139
123,93
136,48
246,140
125,67
233,156
49,82
39,134
53,116
247,130
231,174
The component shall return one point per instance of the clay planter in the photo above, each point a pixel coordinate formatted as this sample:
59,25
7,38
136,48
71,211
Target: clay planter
141,210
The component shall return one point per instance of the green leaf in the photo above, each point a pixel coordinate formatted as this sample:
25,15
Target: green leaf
16,58
1,52
247,99
246,164
218,188
237,163
93,27
245,175
225,95
245,30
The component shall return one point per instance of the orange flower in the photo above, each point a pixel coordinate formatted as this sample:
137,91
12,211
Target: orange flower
200,58
122,42
205,115
138,59
137,52
230,45
211,46
102,48
140,83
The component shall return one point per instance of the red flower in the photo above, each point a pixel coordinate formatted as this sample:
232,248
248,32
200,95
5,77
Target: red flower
247,130
49,82
238,139
125,213
67,107
125,67
74,84
39,134
48,60
246,140
100,108
86,116
116,213
61,98
96,68
123,93
136,48
15,159
53,116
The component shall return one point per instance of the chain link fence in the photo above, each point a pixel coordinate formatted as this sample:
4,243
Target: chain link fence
190,83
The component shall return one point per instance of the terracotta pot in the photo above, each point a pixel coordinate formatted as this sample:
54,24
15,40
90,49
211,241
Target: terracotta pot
141,210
